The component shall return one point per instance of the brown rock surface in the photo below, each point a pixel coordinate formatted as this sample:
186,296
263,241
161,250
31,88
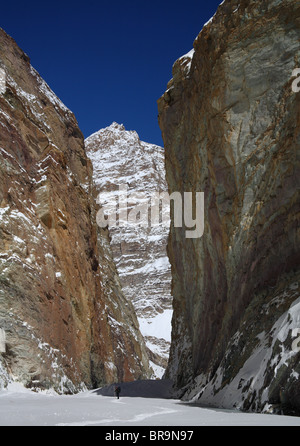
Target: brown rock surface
65,318
230,124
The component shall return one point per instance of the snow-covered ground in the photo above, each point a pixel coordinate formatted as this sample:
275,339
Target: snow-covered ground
21,407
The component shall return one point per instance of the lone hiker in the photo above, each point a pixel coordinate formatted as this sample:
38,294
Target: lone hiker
117,391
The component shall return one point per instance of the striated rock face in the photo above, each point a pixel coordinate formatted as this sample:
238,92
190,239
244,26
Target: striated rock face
64,318
231,127
120,158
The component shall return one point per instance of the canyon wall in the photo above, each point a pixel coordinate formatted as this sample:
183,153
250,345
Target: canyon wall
63,317
230,121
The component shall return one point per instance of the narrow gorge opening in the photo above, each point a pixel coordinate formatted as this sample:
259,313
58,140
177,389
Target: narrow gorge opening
122,162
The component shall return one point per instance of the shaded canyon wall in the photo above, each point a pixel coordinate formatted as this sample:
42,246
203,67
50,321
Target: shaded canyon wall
231,126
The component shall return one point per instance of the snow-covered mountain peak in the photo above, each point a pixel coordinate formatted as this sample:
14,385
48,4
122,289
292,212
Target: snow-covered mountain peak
119,158
116,126
113,134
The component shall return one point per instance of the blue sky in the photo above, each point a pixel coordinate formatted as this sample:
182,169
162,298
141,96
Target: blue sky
107,60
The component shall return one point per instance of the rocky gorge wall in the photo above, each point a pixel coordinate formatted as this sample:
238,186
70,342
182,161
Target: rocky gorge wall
63,317
230,121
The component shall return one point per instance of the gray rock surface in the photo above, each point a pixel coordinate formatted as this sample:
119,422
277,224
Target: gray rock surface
230,124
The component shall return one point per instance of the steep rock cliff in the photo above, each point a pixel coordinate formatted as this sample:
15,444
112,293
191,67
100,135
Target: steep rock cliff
63,317
119,158
231,127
